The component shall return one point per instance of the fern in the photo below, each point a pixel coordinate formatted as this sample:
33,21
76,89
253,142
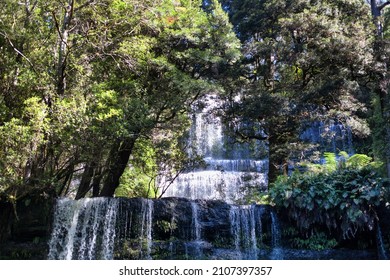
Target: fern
330,162
358,161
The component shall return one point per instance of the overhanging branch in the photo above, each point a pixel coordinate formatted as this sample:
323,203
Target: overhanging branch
381,7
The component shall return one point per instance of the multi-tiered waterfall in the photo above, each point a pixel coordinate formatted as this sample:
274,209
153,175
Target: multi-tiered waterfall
233,170
200,225
201,216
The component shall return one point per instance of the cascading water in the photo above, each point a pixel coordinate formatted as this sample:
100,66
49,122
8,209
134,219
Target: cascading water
169,228
196,227
232,169
196,233
331,136
96,228
277,252
146,228
83,229
243,228
196,218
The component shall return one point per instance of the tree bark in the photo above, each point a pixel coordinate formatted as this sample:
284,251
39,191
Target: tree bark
117,162
63,47
277,158
85,184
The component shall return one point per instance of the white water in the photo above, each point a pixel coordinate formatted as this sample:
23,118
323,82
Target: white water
277,251
332,137
146,228
243,230
232,170
212,185
86,229
90,229
196,226
83,229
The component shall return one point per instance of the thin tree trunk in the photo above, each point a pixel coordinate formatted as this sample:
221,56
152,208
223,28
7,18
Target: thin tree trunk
63,47
96,182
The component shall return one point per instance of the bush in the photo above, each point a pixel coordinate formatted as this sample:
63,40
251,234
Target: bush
343,200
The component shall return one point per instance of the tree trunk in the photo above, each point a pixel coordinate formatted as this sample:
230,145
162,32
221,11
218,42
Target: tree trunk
63,47
383,79
117,162
85,184
277,158
96,182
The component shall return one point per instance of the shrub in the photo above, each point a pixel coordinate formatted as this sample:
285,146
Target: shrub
342,200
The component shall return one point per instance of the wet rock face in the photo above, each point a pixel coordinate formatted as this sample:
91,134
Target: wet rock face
168,228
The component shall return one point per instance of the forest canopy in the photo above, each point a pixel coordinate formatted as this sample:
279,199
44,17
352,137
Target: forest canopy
98,91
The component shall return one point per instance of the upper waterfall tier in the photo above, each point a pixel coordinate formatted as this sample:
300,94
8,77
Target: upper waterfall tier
231,170
231,187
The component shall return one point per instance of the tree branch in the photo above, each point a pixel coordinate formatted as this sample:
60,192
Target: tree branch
18,51
381,7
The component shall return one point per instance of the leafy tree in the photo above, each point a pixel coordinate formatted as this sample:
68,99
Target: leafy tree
82,82
303,61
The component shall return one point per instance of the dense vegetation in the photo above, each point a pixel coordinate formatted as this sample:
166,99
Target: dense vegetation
99,92
336,200
87,85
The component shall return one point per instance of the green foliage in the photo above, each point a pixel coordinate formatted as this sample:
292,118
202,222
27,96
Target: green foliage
343,200
358,161
298,66
139,179
317,241
332,163
75,86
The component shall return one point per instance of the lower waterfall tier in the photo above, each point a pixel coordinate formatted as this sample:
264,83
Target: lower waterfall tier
171,228
168,228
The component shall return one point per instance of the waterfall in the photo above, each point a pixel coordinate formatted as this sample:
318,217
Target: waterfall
83,229
243,230
232,170
235,226
172,228
110,228
331,136
146,228
215,185
196,227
